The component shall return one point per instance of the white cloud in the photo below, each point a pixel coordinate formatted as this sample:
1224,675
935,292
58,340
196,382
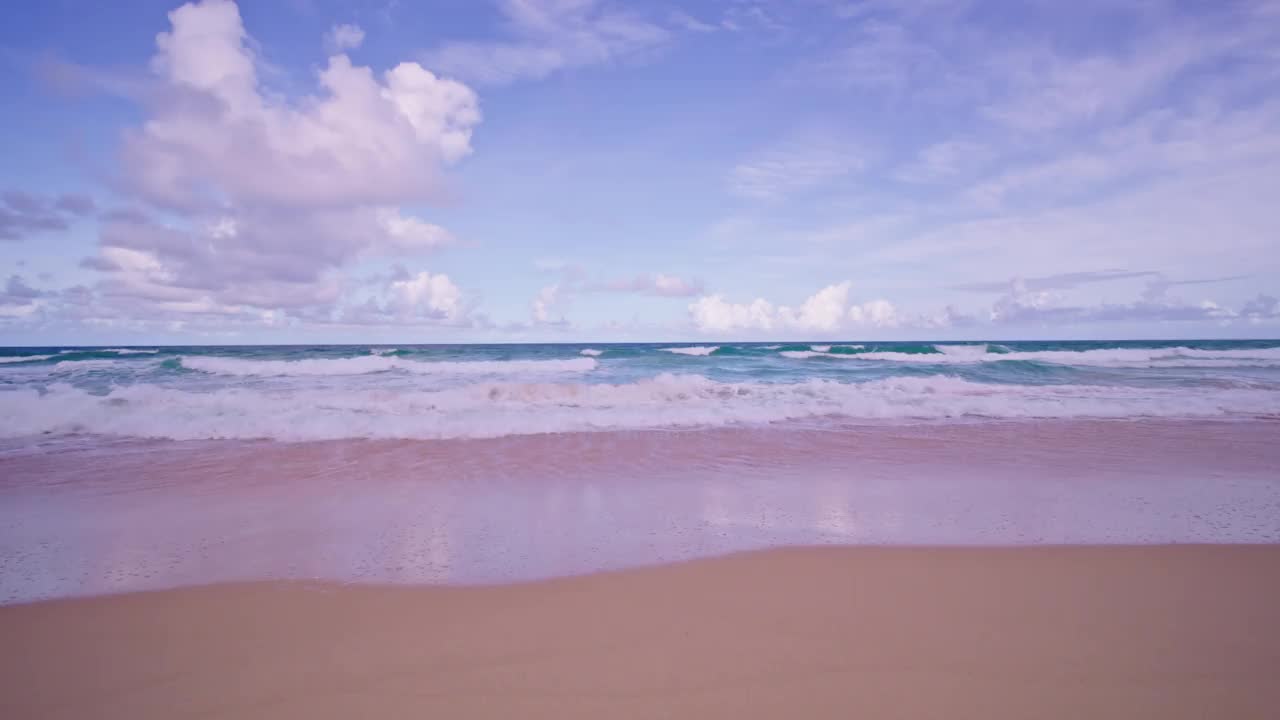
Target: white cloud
828,312
343,37
544,302
550,35
875,313
215,136
410,234
425,296
407,298
271,198
713,313
825,311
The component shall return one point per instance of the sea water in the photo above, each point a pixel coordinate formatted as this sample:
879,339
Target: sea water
148,467
297,393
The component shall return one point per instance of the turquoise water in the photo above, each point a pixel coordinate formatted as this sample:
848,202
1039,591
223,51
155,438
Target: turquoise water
433,391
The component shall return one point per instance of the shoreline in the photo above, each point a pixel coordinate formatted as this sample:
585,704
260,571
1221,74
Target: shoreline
119,517
1097,631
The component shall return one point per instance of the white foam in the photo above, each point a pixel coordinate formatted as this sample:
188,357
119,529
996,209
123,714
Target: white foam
123,351
802,354
491,409
24,358
1106,357
366,364
962,351
383,351
820,348
591,352
697,350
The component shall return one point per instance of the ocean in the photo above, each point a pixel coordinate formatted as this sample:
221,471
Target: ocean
142,468
326,392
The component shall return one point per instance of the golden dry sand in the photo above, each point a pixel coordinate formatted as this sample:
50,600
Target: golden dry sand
1112,632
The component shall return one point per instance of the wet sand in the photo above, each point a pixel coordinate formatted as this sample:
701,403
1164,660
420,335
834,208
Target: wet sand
1048,632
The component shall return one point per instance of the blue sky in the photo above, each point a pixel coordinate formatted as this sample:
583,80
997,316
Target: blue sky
546,170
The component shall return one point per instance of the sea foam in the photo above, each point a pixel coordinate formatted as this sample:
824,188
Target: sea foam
1104,357
24,358
492,409
366,364
700,351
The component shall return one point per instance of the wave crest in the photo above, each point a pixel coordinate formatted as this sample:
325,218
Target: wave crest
491,409
366,364
1103,357
700,350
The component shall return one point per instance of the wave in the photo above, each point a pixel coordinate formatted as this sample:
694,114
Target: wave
24,358
79,355
1104,357
384,351
702,350
962,351
366,364
493,409
591,352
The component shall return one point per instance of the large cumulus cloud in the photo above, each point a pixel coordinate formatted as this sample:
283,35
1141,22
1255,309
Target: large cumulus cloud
259,201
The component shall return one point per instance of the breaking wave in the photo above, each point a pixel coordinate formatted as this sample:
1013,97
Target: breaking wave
24,358
696,350
367,364
491,409
1103,357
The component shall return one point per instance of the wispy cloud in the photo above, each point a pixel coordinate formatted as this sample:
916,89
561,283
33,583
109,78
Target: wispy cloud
946,160
1060,281
794,166
24,214
548,36
684,20
659,284
343,37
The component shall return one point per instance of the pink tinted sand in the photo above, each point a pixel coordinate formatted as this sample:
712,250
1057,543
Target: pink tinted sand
1087,632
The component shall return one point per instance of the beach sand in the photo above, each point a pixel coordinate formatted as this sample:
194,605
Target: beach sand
1048,632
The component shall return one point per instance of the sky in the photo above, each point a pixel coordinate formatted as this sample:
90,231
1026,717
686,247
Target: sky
298,171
